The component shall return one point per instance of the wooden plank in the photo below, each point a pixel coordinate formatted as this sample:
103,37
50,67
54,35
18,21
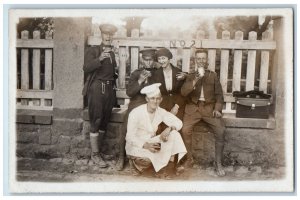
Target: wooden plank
200,35
35,43
35,94
186,60
24,64
134,51
212,52
233,44
36,78
24,67
188,43
251,64
224,63
152,42
122,67
174,53
48,65
34,112
264,65
237,65
32,107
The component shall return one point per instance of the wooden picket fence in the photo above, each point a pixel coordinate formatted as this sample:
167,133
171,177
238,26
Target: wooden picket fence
241,64
224,54
34,76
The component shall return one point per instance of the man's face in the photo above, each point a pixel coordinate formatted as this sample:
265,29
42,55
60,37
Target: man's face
147,61
164,61
154,102
107,39
201,60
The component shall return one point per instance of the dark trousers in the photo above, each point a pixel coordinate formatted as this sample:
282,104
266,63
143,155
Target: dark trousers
101,99
194,114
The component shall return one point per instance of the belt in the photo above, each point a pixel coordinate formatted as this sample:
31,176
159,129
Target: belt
202,103
169,93
106,82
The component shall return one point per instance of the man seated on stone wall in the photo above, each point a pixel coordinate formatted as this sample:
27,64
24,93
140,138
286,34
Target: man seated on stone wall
138,79
143,147
205,102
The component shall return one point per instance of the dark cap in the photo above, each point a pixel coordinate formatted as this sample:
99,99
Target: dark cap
164,52
108,28
148,52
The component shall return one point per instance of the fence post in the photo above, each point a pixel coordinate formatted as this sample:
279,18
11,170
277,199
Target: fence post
122,67
24,67
251,64
212,52
68,59
135,33
174,53
36,75
224,63
48,69
237,65
265,56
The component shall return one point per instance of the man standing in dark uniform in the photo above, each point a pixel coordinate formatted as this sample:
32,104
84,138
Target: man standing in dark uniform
138,80
100,67
205,102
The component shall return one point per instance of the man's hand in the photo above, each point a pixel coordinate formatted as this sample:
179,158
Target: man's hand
104,55
217,114
181,76
165,134
153,147
144,76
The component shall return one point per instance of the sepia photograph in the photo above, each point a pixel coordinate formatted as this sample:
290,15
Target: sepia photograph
151,100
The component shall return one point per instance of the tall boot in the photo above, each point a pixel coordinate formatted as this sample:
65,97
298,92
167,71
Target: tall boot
121,159
101,139
96,157
219,147
189,156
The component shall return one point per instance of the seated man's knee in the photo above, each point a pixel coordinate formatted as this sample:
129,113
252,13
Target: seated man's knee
187,130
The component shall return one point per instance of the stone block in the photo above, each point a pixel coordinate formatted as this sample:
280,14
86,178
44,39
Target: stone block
26,150
28,127
80,142
86,129
64,143
26,119
42,119
45,136
27,137
67,127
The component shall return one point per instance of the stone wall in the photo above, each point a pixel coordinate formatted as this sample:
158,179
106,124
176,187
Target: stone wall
243,146
64,139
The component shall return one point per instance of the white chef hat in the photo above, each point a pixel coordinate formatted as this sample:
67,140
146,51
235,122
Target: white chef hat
151,90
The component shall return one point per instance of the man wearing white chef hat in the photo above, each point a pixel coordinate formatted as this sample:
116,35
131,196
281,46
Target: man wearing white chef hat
143,147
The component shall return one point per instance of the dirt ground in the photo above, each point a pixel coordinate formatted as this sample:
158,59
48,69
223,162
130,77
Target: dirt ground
69,170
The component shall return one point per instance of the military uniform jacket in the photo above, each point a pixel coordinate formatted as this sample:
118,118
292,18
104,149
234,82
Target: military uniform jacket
93,66
211,86
133,88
